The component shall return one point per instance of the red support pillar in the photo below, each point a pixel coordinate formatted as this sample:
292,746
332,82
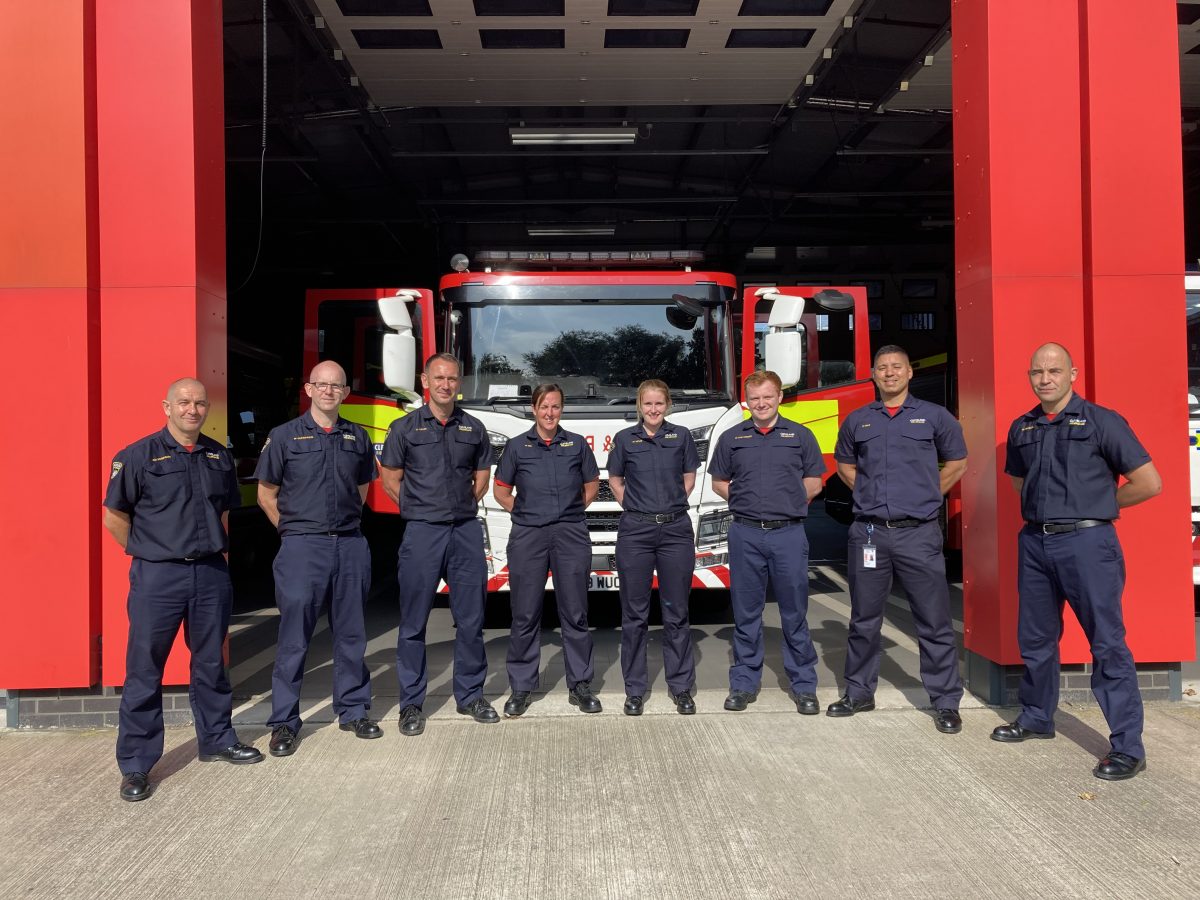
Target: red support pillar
1069,227
161,162
49,309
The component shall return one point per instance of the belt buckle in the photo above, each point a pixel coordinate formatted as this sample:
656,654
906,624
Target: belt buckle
189,559
887,523
1046,525
764,525
661,518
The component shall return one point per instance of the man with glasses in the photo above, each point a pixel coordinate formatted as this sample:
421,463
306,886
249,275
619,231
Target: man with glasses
167,505
312,480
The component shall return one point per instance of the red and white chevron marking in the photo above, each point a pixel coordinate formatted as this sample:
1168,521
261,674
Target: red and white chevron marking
710,577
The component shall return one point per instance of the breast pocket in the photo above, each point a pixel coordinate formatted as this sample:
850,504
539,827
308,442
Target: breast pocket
465,447
218,473
1027,445
166,481
920,439
1083,447
350,456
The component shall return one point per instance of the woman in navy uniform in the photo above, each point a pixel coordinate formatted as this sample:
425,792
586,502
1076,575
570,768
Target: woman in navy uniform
652,470
555,477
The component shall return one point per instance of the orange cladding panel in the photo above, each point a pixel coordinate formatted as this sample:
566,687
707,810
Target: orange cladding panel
49,609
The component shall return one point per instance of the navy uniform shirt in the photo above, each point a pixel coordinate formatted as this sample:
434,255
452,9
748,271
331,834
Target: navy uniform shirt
653,467
439,463
1070,465
318,474
897,457
765,471
549,478
175,498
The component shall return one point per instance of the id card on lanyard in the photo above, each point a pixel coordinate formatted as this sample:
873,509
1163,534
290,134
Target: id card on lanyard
869,548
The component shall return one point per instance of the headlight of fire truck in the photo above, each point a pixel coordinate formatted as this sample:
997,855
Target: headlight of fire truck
497,441
713,528
487,547
701,436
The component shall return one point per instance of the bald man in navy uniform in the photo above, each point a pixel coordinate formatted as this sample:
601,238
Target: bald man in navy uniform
1067,458
167,505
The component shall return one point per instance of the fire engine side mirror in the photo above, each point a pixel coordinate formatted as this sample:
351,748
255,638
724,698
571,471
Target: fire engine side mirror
399,350
783,346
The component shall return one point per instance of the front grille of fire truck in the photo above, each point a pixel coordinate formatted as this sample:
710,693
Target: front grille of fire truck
603,521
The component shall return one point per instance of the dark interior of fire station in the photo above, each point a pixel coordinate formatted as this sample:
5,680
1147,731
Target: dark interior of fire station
789,141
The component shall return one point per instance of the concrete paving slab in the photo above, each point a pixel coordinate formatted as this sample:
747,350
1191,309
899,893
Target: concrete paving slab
761,804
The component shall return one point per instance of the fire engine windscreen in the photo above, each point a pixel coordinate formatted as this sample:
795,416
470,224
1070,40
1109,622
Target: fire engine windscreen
598,351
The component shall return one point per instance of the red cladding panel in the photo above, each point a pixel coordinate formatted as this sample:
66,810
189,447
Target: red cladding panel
162,239
1134,251
1018,266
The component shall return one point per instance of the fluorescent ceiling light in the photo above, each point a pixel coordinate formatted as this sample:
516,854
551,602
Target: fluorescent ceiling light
565,136
571,230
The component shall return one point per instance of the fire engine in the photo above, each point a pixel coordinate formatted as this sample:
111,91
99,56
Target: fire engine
598,325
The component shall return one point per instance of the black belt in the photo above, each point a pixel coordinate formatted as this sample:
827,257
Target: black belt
767,524
194,559
1064,527
657,518
349,532
908,522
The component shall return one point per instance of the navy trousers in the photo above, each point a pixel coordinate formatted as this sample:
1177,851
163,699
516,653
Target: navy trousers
162,595
642,548
428,553
316,573
1087,569
780,554
565,549
912,556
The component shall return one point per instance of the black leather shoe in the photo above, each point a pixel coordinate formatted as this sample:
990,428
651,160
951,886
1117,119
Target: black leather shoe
412,722
239,754
479,710
1114,767
283,741
363,728
807,704
739,700
947,721
1015,732
684,704
581,695
847,706
517,704
136,786
633,706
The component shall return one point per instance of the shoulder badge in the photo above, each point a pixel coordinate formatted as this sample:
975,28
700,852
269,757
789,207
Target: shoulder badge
266,443
117,466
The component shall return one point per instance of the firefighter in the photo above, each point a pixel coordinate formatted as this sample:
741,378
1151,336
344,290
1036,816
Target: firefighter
312,479
887,453
768,467
1065,457
435,464
554,475
167,505
652,470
